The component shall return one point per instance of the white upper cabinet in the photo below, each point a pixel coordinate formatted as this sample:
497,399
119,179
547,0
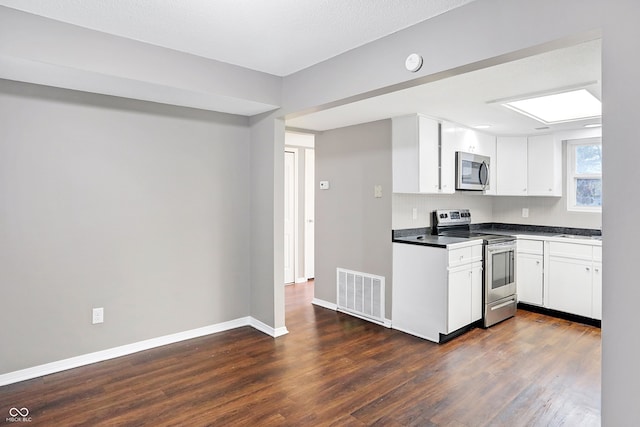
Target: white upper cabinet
415,153
529,166
544,170
511,167
424,153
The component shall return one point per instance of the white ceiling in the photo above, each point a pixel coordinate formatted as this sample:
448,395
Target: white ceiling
283,36
464,99
278,37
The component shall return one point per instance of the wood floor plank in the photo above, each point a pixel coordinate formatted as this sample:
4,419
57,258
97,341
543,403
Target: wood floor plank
334,370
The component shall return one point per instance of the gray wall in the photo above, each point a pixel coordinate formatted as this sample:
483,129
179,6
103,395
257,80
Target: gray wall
621,252
136,207
353,229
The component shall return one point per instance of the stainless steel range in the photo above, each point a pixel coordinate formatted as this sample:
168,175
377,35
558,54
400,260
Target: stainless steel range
499,278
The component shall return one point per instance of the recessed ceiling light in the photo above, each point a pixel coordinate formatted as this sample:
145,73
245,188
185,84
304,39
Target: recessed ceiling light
559,107
482,126
593,125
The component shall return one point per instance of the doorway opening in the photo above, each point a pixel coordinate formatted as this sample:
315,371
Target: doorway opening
299,196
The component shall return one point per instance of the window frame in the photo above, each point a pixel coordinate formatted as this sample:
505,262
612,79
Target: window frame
573,176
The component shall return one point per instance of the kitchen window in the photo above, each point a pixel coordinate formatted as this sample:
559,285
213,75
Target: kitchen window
584,175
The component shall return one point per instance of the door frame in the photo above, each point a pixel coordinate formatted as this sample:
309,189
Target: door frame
294,151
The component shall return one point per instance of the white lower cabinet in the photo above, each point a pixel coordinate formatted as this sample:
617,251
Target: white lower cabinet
436,290
597,290
570,286
476,291
575,279
530,271
464,296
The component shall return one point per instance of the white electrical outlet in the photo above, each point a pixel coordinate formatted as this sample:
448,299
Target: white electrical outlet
525,212
414,214
97,315
324,185
377,191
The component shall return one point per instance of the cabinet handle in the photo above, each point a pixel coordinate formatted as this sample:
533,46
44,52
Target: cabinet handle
537,262
588,269
597,270
524,189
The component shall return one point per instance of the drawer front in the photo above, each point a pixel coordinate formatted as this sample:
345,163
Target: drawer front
571,250
465,255
531,246
460,256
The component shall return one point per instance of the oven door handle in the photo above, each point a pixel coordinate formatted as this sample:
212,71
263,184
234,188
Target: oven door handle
504,304
500,249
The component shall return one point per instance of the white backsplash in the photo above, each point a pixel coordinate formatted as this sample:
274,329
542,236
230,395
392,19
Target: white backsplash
481,207
549,211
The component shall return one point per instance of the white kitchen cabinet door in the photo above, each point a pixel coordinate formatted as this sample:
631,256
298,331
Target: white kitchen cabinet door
597,291
544,166
570,286
511,166
476,291
459,298
415,154
450,143
529,279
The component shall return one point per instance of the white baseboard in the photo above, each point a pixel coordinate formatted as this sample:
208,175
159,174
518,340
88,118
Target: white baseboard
301,280
112,353
264,328
386,322
324,304
331,306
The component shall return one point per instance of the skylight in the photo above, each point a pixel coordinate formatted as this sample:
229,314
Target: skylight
560,107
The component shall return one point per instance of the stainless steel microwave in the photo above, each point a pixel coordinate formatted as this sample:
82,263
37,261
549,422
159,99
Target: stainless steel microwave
472,171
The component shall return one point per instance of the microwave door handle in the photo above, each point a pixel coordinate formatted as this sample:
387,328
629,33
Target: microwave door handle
483,182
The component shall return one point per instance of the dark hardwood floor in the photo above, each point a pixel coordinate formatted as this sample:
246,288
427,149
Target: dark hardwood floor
334,369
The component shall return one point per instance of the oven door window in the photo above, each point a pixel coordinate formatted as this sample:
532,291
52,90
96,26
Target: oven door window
502,264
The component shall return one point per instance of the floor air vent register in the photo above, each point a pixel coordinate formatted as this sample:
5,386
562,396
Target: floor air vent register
361,295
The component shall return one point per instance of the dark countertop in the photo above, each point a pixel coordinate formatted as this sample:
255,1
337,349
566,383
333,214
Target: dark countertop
431,240
537,230
422,236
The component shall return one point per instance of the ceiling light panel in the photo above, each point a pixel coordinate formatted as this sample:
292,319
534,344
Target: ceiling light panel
560,107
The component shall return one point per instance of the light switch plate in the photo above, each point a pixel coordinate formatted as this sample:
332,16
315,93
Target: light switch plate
377,191
324,185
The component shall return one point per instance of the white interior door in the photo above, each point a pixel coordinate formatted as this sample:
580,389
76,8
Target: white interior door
289,216
309,212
